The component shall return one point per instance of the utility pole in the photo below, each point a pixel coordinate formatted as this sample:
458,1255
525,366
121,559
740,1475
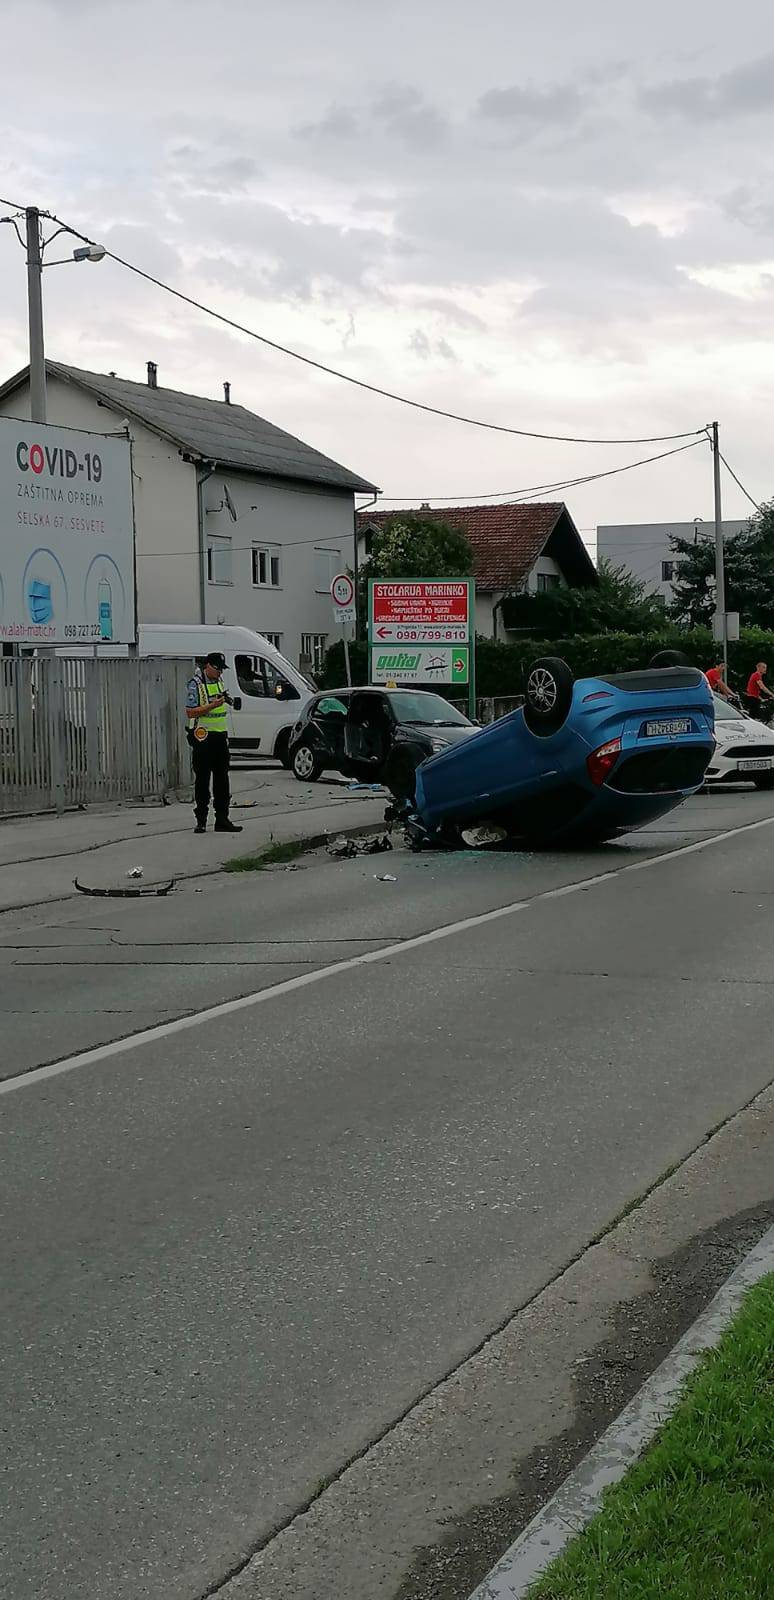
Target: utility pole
35,303
721,624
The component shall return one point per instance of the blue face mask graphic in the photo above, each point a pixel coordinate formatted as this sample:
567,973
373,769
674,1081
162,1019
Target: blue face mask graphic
39,602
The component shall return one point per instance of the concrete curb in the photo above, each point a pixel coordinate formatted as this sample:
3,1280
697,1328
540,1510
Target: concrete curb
578,1499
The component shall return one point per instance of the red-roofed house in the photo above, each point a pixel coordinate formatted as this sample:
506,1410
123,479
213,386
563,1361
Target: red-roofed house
517,549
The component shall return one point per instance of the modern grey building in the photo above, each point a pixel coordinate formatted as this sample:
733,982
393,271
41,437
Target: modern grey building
644,548
236,521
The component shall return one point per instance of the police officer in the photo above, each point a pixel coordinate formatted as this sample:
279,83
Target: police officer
206,715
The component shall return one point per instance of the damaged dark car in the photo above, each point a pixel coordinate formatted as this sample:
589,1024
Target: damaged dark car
375,735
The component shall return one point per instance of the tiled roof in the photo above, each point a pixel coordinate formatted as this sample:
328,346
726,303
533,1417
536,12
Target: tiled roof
506,539
211,429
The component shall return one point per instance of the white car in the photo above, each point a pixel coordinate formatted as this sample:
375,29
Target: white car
745,748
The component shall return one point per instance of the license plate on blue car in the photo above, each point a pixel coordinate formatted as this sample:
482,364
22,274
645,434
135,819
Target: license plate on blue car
667,727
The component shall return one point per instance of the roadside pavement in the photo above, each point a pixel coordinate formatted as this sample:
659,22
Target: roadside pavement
41,856
337,1203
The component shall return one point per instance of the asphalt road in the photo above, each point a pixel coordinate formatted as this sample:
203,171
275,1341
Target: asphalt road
234,1254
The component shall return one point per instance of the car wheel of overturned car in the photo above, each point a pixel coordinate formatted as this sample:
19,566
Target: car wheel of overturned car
668,658
305,765
548,694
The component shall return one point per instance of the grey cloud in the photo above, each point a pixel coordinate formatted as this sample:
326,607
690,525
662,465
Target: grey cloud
419,344
559,103
399,111
451,312
339,122
407,114
233,172
272,252
743,91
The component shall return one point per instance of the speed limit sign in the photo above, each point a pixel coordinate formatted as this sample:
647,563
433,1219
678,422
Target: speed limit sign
343,591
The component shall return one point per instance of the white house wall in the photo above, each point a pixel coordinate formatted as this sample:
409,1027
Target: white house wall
164,502
641,548
295,523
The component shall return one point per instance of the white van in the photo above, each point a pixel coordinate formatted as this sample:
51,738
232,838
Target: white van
272,692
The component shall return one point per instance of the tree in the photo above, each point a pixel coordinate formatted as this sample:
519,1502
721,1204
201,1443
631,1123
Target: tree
618,603
749,572
413,546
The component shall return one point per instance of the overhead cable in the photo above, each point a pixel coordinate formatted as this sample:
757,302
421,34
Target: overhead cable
359,383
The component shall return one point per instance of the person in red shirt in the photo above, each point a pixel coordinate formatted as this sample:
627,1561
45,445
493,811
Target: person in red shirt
717,682
756,691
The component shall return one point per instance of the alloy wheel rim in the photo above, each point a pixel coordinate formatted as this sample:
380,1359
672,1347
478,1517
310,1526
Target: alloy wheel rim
541,689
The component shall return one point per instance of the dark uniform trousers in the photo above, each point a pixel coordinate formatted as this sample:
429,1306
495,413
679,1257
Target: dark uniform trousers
211,761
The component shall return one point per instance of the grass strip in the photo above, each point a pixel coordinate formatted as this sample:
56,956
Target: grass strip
272,855
694,1518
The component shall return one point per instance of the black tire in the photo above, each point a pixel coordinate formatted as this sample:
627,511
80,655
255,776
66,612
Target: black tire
304,764
548,695
400,773
668,658
764,780
281,748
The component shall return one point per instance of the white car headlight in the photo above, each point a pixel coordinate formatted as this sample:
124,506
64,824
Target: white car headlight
438,744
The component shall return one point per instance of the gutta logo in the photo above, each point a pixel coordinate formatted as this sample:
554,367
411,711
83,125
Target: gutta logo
39,602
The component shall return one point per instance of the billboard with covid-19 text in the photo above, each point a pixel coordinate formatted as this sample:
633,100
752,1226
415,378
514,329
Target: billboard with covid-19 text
66,536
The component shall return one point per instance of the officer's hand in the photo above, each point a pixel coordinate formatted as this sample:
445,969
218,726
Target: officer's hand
218,700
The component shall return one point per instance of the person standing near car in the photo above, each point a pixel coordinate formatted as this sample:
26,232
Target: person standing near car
206,716
756,692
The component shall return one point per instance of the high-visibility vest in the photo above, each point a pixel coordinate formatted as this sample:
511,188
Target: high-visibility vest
216,720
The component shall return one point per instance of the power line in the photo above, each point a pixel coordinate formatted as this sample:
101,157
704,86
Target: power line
525,493
560,483
346,377
739,483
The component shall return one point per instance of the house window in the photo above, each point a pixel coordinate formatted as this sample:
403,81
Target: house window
266,566
326,564
313,647
667,571
218,559
546,581
275,639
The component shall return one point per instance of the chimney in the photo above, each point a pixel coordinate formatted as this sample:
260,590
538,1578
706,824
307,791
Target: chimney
227,393
153,375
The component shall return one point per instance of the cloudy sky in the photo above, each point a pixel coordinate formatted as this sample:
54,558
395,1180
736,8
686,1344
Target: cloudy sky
556,216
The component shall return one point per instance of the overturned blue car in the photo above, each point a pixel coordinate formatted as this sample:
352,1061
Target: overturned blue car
583,759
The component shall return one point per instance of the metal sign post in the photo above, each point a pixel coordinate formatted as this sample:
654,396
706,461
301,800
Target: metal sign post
343,597
422,631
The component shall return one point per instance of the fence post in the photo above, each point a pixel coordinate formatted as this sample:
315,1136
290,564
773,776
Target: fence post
55,707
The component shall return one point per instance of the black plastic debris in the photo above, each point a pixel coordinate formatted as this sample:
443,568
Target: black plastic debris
159,889
345,849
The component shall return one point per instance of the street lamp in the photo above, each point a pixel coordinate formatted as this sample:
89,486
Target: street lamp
35,247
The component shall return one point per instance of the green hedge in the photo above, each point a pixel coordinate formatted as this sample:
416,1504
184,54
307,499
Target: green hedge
500,668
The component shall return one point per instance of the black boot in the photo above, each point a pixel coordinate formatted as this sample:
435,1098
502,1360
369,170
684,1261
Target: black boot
227,826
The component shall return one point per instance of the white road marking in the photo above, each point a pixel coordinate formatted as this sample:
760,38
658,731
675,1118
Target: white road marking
164,1030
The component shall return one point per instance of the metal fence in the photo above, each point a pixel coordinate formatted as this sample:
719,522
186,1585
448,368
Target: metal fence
75,729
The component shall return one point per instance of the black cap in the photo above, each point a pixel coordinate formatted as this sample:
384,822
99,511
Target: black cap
215,659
